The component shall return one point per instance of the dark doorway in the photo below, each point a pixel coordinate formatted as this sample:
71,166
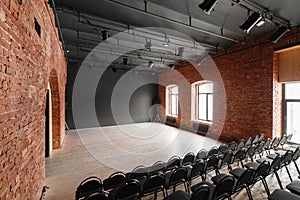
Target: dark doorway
47,131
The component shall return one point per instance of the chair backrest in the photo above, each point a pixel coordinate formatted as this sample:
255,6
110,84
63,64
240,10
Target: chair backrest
275,143
201,193
244,179
227,158
251,150
261,137
296,154
224,187
222,149
212,163
287,157
101,195
202,154
248,142
255,139
114,180
283,139
275,164
128,190
178,175
140,172
267,144
259,147
212,151
289,137
89,185
241,144
240,154
198,168
232,146
261,171
154,182
174,162
188,159
157,166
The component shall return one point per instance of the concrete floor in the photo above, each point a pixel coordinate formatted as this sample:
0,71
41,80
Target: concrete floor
102,151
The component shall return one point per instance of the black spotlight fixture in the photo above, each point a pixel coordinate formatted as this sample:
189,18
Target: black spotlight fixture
279,33
208,5
105,35
252,20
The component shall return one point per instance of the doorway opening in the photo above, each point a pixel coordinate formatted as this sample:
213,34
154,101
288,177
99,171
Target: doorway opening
48,124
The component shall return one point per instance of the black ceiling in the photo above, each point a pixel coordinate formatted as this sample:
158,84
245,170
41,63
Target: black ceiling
218,30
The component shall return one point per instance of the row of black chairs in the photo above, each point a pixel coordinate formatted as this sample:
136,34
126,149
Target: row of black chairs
162,176
293,192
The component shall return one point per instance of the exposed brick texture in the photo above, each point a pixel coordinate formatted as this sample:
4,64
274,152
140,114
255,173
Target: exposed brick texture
250,75
26,61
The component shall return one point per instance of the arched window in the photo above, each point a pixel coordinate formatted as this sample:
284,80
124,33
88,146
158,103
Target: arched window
172,100
202,101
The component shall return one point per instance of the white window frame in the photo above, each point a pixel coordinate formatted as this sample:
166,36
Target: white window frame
169,101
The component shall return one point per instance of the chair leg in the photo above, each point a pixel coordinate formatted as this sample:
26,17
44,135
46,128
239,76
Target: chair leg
249,193
288,171
242,164
266,186
174,188
297,168
229,198
155,195
278,179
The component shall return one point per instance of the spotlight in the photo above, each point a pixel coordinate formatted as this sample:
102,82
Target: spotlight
250,22
261,22
125,60
166,42
148,45
208,5
180,51
150,63
279,33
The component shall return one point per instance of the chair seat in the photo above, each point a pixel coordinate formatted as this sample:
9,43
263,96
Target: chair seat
294,187
263,160
272,156
283,195
217,178
252,165
178,195
195,187
237,172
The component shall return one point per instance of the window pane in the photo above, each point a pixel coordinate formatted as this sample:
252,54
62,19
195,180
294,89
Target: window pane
174,104
293,118
202,106
292,90
210,107
206,88
174,90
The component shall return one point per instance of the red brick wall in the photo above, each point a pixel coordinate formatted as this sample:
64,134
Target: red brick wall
250,75
25,64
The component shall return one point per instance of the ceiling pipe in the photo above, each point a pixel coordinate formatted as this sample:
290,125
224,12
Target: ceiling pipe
174,21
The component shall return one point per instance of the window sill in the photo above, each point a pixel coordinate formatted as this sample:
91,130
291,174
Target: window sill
174,116
202,122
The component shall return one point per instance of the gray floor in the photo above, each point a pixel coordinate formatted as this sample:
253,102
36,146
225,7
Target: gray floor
102,151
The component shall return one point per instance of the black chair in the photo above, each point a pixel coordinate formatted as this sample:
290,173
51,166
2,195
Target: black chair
294,187
213,151
173,163
88,186
202,193
114,181
289,137
259,149
177,177
255,139
248,143
243,180
239,156
222,149
283,140
250,152
261,171
261,137
241,145
225,159
100,195
232,146
197,170
211,164
280,194
129,190
267,146
275,165
275,143
202,154
221,190
157,167
154,184
188,159
139,173
296,155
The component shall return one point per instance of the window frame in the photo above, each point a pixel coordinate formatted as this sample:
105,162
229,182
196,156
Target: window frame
169,95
